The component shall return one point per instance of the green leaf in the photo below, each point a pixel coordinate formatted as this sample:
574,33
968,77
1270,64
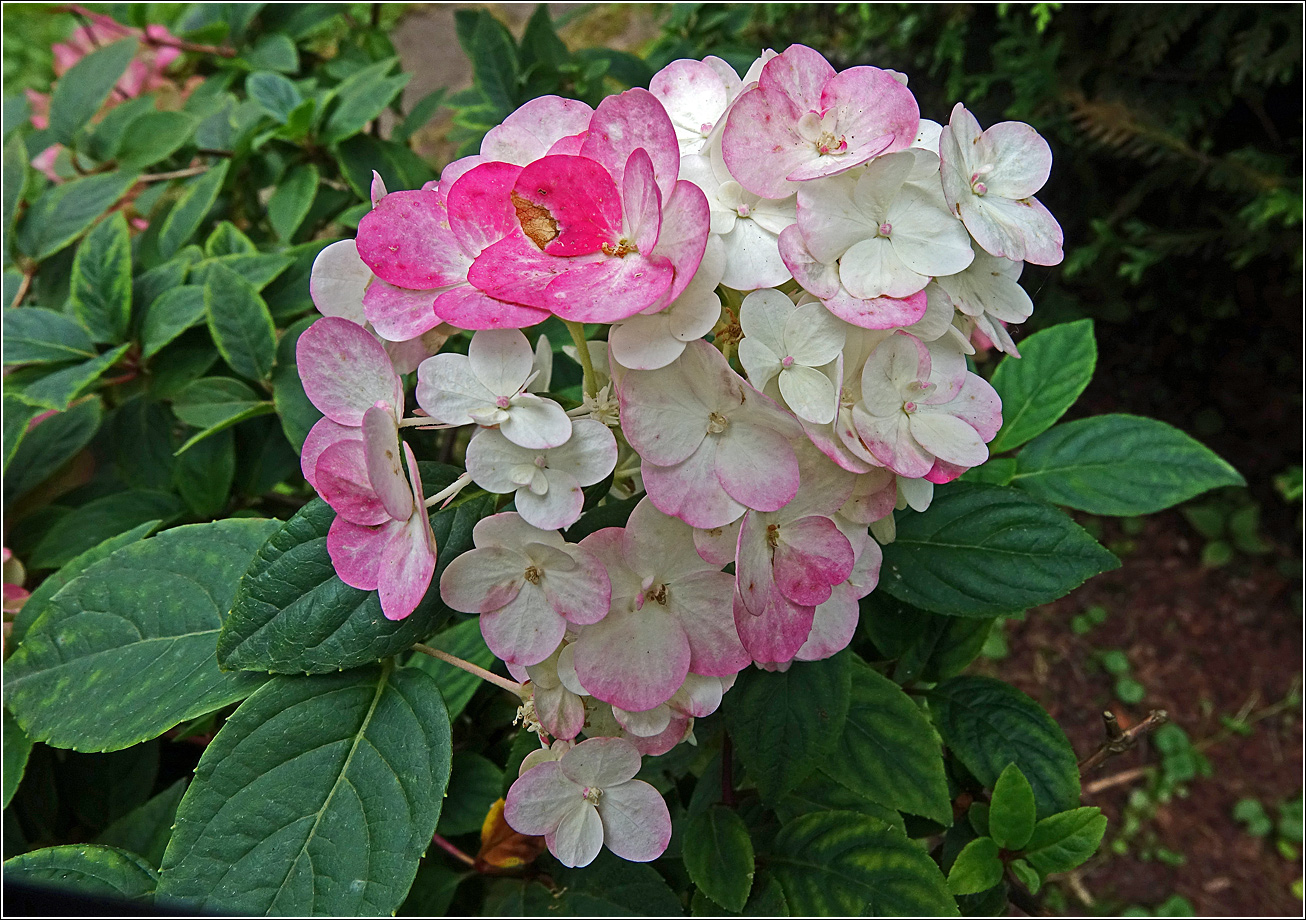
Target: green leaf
80,92
840,863
273,51
433,889
464,641
14,185
1011,810
293,614
57,389
101,788
290,202
204,474
211,401
227,240
612,887
18,415
148,287
784,724
988,724
297,413
362,97
274,93
146,829
155,136
977,867
17,748
65,210
473,787
1027,875
398,166
124,651
100,519
1120,465
169,315
927,646
718,855
888,752
86,869
489,45
33,335
419,115
318,796
1063,841
1037,388
102,280
240,323
510,897
819,792
996,471
983,551
35,605
49,446
190,210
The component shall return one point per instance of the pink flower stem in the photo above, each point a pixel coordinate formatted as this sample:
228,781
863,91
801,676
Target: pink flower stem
510,685
452,850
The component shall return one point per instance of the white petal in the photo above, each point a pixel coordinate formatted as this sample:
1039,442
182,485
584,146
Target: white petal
501,359
645,342
494,462
589,454
872,268
830,220
809,393
448,391
338,280
557,507
813,336
536,422
579,836
948,438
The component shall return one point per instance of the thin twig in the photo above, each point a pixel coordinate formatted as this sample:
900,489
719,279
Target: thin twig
1118,740
175,174
452,850
510,685
23,287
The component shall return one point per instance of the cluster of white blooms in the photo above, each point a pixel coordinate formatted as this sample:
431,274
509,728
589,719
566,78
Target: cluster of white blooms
789,269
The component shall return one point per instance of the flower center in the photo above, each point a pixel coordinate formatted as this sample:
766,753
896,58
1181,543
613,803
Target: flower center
657,593
503,402
773,535
886,229
827,143
541,461
743,210
591,794
976,186
717,423
533,574
787,362
623,248
909,406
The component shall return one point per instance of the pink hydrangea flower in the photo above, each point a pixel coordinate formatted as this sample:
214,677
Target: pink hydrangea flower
712,445
989,180
791,345
587,799
988,294
527,584
803,121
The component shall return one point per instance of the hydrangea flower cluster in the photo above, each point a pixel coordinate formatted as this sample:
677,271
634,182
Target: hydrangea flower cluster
787,270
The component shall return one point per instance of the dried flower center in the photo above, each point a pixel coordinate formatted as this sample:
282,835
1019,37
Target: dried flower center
717,423
623,248
533,574
591,794
773,535
657,593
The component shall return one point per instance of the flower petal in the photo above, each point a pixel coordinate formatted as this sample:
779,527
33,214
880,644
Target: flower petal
345,371
636,822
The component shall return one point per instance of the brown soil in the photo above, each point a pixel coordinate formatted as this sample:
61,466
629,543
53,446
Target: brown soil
1205,643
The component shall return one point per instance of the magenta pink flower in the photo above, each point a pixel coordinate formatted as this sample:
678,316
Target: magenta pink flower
803,121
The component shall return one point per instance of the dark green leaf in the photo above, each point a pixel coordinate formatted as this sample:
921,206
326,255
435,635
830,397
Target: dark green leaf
464,641
169,315
274,93
33,335
977,867
1037,388
419,115
18,415
785,724
148,287
257,268
48,446
100,519
494,57
509,897
398,166
80,92
227,240
85,869
107,135
983,551
190,210
819,792
1120,465
215,404
1011,810
290,202
65,210
433,889
273,51
612,887
1063,841
101,788
928,646
840,863
718,855
1027,875
988,724
147,829
57,389
473,787
888,752
297,413
124,651
293,614
155,136
319,795
102,280
47,589
17,748
996,471
204,474
362,97
240,323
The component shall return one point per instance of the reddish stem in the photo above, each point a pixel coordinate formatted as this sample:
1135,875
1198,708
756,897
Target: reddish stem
452,850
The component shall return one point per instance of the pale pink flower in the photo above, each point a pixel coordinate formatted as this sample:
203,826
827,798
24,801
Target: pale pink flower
527,584
712,445
835,621
989,180
791,345
989,295
695,94
803,121
589,798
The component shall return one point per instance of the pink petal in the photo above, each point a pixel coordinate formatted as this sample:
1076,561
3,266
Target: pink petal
818,278
321,436
800,73
578,837
407,241
703,603
833,626
944,472
407,566
399,314
480,207
878,312
355,551
635,659
600,762
484,579
683,235
385,469
870,104
582,594
467,308
691,491
626,122
636,822
753,573
560,711
756,465
760,145
776,634
582,209
811,558
539,798
529,132
345,371
344,484
641,202
526,630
